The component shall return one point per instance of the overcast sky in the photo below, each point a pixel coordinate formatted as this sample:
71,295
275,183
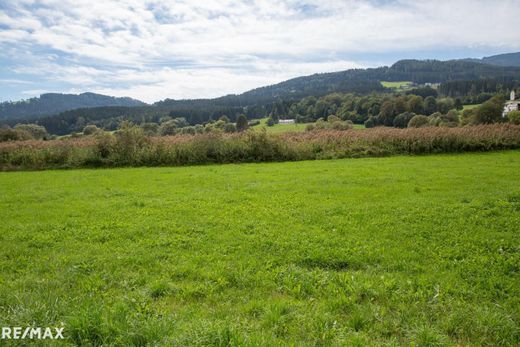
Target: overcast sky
151,50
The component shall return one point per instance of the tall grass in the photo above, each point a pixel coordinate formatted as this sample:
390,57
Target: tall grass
132,148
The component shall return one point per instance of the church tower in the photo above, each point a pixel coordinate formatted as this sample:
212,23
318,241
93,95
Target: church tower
512,97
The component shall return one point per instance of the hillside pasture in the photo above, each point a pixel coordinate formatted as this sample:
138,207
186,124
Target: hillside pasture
398,85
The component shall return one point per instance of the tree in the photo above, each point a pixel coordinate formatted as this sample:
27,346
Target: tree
418,121
269,122
415,104
242,123
370,122
444,105
458,104
490,111
430,105
514,117
150,128
333,118
229,128
37,132
224,118
168,128
90,129
402,120
386,116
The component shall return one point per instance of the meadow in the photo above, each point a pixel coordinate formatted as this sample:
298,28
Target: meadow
399,86
470,107
405,250
279,128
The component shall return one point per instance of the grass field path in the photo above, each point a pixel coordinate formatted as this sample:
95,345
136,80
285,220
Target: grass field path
419,251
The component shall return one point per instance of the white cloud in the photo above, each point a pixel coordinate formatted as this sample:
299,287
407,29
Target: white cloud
158,48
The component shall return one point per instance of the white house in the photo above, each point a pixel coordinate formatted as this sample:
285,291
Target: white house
286,121
511,105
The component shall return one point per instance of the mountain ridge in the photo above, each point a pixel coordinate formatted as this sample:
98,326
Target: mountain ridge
361,81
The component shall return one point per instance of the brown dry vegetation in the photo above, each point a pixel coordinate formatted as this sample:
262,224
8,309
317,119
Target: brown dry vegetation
131,148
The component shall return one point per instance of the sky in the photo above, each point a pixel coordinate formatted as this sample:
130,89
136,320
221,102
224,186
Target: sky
152,50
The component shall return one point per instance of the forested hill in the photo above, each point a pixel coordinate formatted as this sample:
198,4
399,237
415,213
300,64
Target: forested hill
52,103
260,102
508,59
360,81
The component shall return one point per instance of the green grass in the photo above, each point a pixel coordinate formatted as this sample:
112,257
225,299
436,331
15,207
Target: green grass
401,85
420,251
282,128
470,107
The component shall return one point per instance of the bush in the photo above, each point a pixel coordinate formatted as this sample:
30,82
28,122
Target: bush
90,129
229,128
37,132
270,122
490,111
8,134
418,121
168,127
150,129
402,120
370,122
514,117
342,125
310,127
241,123
332,119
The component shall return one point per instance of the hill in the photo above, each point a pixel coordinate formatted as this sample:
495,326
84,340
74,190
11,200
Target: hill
259,102
52,103
507,59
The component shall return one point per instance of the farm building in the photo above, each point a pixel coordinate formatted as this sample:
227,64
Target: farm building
511,105
286,121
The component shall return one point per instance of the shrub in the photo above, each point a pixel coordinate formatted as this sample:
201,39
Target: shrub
241,123
332,119
310,127
150,129
90,129
168,127
224,119
370,122
188,131
342,125
490,111
270,122
37,132
514,117
402,120
8,134
418,121
230,128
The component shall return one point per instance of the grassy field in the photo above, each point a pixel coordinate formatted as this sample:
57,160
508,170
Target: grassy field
283,128
469,107
414,251
401,85
279,128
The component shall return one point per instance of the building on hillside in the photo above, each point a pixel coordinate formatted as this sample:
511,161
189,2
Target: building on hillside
511,105
286,121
